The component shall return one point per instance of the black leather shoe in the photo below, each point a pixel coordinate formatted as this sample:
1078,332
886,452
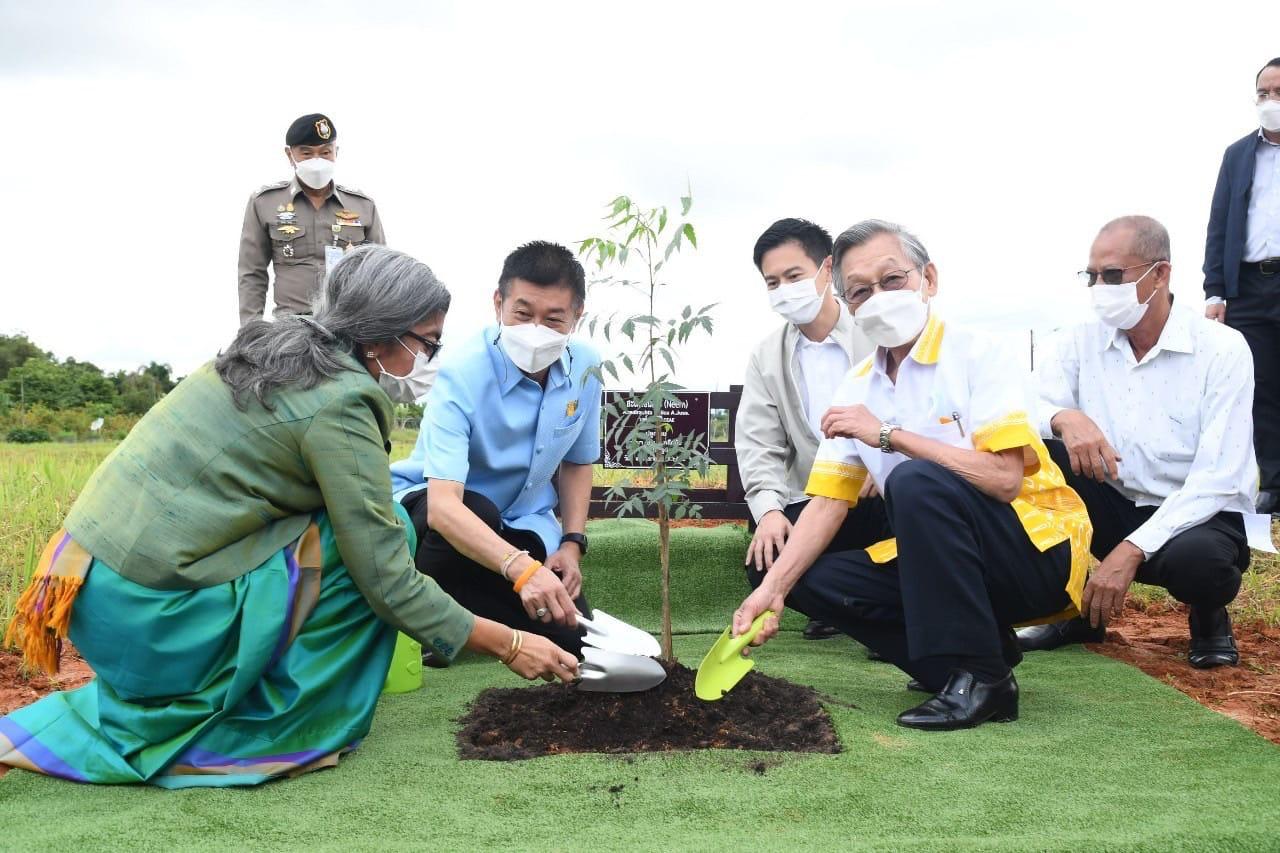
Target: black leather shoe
1042,638
963,703
915,686
1212,642
1267,503
1010,650
817,630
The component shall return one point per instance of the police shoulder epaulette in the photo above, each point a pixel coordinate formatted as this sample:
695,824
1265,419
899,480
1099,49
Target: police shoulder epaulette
277,185
353,191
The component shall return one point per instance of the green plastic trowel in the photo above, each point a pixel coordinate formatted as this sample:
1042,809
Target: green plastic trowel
724,666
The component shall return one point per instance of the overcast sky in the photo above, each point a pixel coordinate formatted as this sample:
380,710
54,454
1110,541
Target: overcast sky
1003,134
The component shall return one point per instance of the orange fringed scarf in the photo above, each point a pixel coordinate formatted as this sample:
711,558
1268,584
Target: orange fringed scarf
44,611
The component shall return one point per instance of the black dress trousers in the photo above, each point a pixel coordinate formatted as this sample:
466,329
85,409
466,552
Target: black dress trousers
475,587
1255,313
865,524
1200,567
966,571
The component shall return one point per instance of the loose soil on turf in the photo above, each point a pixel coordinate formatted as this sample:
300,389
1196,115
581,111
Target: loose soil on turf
18,690
762,713
1156,641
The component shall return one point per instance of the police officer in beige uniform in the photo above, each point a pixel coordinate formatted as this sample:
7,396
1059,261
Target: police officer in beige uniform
302,226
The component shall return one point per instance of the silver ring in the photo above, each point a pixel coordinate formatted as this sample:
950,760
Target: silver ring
540,612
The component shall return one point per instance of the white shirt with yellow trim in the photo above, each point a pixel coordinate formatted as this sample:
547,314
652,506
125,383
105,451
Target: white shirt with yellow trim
968,390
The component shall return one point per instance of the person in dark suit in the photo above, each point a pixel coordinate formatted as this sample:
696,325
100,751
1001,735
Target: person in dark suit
1242,268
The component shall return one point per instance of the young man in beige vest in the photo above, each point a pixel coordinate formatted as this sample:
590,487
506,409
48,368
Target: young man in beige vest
790,380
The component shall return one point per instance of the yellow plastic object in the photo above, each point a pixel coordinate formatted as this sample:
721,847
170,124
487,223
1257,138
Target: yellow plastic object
405,675
724,666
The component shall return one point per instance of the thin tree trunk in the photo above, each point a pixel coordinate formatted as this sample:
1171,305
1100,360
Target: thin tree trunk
664,554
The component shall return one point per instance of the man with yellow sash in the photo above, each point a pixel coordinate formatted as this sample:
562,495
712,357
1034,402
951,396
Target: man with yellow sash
987,533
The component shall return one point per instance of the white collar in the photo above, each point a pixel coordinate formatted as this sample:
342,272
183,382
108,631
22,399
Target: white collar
1176,336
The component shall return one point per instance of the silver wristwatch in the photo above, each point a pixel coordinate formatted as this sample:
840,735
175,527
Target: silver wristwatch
886,429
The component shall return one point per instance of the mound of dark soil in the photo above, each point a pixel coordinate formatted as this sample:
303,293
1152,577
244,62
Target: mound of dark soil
762,713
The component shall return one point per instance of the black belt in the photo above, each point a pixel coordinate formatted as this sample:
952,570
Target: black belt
1271,266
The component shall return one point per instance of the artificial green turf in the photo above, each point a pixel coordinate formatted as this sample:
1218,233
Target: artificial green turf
1104,758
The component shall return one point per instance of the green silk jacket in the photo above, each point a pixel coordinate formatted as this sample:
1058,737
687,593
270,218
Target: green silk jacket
201,492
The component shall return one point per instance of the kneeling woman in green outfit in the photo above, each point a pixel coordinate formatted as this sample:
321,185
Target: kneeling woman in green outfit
235,571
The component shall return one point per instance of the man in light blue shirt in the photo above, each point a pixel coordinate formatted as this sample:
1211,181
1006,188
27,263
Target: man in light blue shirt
512,407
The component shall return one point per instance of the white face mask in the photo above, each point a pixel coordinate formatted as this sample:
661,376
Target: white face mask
797,302
316,172
1117,305
414,386
891,318
531,347
1269,115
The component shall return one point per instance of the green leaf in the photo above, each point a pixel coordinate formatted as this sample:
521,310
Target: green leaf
688,232
662,220
635,232
672,246
686,312
612,370
666,355
628,328
686,202
626,359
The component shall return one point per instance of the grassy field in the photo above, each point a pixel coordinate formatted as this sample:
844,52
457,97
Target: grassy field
38,484
1102,758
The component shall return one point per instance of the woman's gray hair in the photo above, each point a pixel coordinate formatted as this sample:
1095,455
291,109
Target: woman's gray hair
865,230
373,294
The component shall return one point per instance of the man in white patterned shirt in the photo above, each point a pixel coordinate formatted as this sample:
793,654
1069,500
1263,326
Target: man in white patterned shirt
1152,404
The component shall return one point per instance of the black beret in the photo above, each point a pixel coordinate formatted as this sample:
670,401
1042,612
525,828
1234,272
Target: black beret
312,129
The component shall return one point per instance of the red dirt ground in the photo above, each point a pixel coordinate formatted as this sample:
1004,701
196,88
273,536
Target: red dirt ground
1156,641
16,690
704,522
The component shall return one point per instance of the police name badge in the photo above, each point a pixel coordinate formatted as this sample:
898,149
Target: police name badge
332,254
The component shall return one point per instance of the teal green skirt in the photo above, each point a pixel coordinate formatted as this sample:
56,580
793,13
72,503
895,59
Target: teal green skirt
273,674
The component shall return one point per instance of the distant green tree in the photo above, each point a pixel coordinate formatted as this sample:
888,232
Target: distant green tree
40,381
141,389
15,350
162,374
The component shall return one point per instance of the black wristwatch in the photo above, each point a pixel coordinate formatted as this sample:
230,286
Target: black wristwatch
578,539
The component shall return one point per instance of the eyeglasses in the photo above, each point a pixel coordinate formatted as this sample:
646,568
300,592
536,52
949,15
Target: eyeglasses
1111,275
860,293
431,348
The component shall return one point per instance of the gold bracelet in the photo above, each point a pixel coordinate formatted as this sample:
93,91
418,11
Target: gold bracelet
517,641
507,561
